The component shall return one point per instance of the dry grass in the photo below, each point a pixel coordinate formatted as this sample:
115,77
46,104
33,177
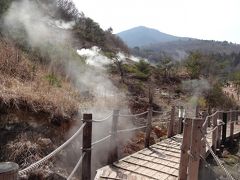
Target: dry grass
23,85
23,151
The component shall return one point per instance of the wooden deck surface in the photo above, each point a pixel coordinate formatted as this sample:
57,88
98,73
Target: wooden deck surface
159,162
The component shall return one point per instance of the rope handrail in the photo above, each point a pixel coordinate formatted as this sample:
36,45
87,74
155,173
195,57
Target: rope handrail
103,139
211,115
133,115
129,130
104,119
159,112
41,161
76,166
217,159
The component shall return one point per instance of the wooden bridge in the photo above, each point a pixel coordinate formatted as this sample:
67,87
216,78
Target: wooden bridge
178,156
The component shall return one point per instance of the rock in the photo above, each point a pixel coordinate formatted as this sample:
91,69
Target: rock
158,131
225,153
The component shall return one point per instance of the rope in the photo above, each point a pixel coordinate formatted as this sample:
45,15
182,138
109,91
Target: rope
41,161
217,159
212,130
104,119
103,139
206,119
129,130
76,167
133,115
159,112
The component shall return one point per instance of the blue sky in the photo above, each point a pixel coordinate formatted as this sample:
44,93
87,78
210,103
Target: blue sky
203,19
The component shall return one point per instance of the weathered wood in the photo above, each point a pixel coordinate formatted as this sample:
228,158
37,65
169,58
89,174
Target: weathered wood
171,123
231,120
113,149
87,145
215,133
149,128
197,114
224,128
195,149
8,171
237,113
187,128
204,131
180,119
220,116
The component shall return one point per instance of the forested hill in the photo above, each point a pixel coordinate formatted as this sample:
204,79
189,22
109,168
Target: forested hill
62,15
155,45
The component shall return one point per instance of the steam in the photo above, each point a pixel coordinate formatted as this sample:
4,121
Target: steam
25,21
196,88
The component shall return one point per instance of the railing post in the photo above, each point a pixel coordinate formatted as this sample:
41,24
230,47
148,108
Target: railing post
215,132
237,113
180,120
171,123
220,117
204,131
149,128
8,171
113,149
231,121
187,129
195,149
224,128
87,145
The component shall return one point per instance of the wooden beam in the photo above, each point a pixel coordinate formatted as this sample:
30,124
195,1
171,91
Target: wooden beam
215,133
224,128
149,128
9,171
187,128
195,149
87,145
171,123
113,149
231,120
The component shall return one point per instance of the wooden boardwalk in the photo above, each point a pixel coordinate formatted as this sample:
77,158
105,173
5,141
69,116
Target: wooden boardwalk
159,162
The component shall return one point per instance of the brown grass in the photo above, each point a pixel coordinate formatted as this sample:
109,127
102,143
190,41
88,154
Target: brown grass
23,85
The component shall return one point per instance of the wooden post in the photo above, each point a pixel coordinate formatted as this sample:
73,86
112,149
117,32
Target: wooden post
171,123
195,149
215,133
204,131
113,149
231,121
8,171
87,145
220,115
187,129
149,128
237,113
180,120
224,128
197,111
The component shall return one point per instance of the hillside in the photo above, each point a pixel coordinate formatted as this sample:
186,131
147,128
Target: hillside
141,36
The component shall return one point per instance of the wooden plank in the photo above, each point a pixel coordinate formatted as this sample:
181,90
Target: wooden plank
149,128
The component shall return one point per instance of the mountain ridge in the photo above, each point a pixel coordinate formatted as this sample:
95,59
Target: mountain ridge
142,36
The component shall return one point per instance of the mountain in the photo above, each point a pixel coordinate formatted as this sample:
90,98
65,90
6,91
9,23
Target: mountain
141,36
155,45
